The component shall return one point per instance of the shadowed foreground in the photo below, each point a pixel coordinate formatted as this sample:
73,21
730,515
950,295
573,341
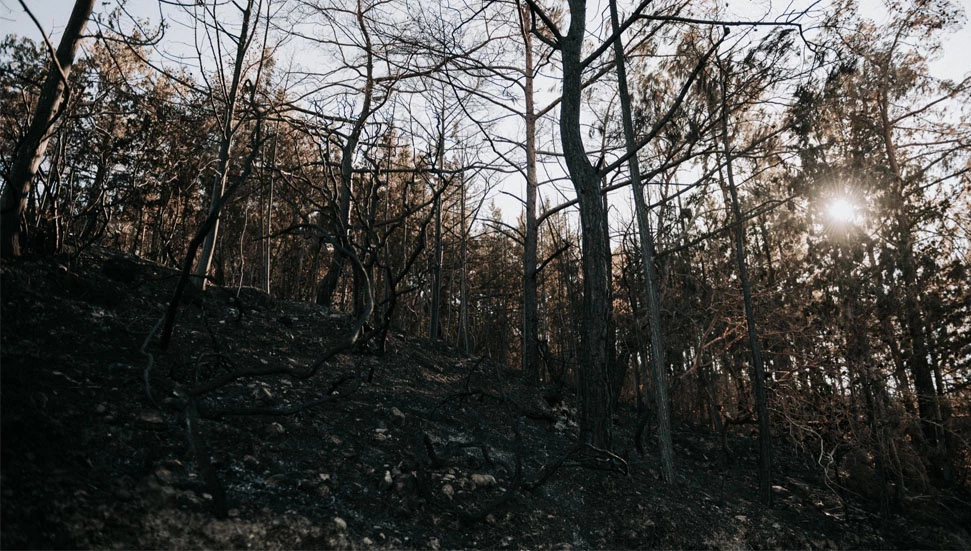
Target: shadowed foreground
418,448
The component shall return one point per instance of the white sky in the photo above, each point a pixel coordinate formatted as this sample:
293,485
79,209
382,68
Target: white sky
53,14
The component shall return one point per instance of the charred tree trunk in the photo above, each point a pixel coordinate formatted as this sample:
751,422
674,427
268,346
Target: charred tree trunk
919,357
434,327
647,259
226,140
530,337
328,285
758,367
462,337
31,150
594,378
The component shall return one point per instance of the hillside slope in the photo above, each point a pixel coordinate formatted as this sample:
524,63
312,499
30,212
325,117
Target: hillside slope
418,448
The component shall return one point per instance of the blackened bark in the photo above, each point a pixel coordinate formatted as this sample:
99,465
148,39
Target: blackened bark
594,383
758,367
31,150
920,367
226,143
327,286
647,259
530,344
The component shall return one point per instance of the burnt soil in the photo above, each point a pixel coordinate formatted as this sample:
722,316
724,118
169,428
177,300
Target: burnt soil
419,447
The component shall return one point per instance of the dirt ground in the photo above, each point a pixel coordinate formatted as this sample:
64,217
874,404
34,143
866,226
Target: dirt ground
419,448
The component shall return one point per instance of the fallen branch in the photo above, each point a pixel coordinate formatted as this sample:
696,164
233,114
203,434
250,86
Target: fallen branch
147,372
602,460
197,442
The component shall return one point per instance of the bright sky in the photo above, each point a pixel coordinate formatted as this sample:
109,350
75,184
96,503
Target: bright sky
53,14
840,210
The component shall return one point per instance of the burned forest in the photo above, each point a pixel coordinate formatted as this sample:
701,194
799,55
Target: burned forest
514,274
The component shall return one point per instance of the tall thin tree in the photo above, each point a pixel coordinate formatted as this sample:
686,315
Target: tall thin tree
755,345
228,130
647,256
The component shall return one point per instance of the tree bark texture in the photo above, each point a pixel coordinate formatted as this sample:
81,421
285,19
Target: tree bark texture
530,344
594,378
658,368
328,285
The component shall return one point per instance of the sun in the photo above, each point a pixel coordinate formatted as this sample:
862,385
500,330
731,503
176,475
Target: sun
841,211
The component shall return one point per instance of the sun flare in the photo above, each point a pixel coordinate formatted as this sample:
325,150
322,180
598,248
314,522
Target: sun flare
841,211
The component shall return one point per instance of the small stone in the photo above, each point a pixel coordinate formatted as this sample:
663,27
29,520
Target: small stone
434,544
276,428
151,417
405,484
367,542
164,476
276,480
741,518
449,491
168,492
387,481
484,480
490,519
188,496
397,416
251,461
340,524
101,408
